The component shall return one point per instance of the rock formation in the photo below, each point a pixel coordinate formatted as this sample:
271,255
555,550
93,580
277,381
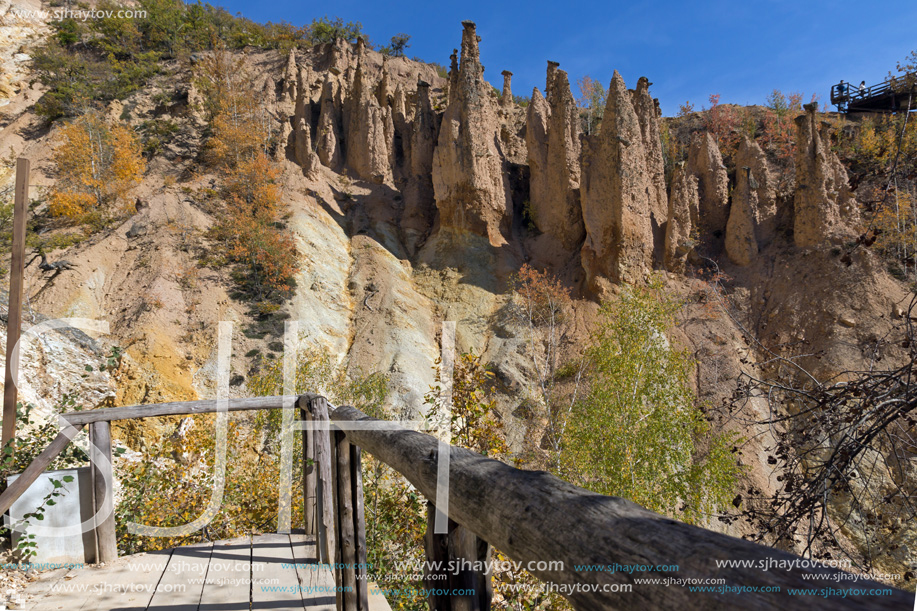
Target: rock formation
750,155
549,81
822,201
302,147
741,243
468,180
453,75
554,164
536,141
419,205
283,141
615,195
706,163
328,137
369,130
506,97
682,219
648,114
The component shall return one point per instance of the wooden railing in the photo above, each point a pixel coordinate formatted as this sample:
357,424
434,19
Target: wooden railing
533,517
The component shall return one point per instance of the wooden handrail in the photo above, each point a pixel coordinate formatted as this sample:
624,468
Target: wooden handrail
533,516
183,408
530,515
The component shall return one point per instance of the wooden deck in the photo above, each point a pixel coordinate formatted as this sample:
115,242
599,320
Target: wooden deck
275,571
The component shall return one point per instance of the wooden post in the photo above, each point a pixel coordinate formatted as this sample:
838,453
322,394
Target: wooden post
359,516
103,496
14,316
436,550
474,554
347,539
308,474
461,553
324,484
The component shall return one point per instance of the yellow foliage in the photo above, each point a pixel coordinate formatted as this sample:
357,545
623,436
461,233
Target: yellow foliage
98,164
240,124
895,225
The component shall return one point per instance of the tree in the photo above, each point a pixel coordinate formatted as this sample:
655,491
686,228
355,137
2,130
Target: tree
542,304
639,433
327,29
907,81
98,163
592,100
247,230
399,43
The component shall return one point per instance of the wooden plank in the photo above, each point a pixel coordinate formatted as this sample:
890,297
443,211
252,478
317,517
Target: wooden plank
227,586
534,516
347,541
102,493
37,590
182,582
129,583
275,583
308,475
377,600
14,312
126,585
37,467
356,465
182,408
324,485
316,580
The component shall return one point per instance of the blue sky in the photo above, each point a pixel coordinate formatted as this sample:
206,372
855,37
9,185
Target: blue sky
688,50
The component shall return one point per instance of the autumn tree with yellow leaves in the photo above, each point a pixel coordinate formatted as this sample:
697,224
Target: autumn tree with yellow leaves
98,164
248,229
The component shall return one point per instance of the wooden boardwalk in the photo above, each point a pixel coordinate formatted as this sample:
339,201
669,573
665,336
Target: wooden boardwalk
275,571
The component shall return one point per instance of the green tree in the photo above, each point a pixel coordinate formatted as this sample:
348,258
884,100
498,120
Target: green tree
399,43
327,29
638,433
592,100
907,79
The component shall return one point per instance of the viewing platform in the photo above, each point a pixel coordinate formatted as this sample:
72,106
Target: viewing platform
883,97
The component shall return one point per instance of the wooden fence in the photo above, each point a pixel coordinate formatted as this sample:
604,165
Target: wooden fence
567,536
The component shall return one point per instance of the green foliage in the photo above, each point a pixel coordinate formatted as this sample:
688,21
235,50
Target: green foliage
592,102
872,147
638,433
522,100
396,48
156,134
777,102
328,29
27,545
87,63
34,433
441,70
472,405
